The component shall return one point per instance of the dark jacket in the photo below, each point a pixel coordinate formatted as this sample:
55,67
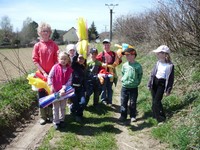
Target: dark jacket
169,79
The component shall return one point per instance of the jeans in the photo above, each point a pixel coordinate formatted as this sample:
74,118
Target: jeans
92,87
107,92
126,95
77,108
157,94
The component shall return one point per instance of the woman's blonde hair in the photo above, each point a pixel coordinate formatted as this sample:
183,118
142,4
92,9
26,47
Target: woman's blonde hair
42,26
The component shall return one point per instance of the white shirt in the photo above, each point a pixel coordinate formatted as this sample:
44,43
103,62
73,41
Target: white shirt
161,72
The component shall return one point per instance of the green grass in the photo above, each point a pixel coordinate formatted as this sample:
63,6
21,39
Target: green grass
96,132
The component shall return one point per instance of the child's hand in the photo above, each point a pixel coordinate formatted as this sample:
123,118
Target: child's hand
52,89
45,75
62,92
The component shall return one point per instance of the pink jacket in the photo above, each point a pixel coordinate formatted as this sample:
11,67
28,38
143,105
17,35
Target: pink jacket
60,78
45,54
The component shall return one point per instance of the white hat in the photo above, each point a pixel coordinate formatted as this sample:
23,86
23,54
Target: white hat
106,41
69,47
162,48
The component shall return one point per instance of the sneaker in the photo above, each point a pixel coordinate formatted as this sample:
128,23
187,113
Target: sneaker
104,102
42,121
56,126
122,119
110,105
133,119
160,123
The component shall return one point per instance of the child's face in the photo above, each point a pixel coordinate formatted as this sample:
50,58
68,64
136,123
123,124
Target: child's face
106,46
130,57
81,60
161,55
45,33
93,56
72,52
63,60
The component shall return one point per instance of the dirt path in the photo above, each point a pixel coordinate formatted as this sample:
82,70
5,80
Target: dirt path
30,136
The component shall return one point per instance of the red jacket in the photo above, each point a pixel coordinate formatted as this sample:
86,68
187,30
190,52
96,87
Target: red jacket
45,54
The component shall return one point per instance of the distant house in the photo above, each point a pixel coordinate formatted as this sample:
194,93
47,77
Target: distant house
70,36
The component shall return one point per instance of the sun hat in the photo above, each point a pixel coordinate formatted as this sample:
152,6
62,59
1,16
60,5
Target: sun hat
93,50
69,47
162,48
129,51
106,41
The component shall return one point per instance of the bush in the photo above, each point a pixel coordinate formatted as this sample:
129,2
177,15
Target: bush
17,99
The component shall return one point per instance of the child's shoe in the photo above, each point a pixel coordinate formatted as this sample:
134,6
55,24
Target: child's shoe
133,119
42,121
56,126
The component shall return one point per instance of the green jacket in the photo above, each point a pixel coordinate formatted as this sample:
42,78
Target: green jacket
131,74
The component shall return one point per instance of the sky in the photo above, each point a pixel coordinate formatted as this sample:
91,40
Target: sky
63,14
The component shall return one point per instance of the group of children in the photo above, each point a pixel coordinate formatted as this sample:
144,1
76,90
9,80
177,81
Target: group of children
97,77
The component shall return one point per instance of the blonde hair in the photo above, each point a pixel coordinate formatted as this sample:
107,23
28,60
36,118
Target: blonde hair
62,53
42,26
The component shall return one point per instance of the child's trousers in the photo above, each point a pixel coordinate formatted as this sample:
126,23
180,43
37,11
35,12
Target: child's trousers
59,110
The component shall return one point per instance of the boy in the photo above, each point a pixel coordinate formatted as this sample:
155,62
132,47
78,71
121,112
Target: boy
131,78
92,80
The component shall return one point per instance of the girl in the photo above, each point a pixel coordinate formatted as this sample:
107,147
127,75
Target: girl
44,57
59,78
161,81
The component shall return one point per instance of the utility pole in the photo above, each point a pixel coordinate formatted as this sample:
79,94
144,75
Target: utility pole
111,7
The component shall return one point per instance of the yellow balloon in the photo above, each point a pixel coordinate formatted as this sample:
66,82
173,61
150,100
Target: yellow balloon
82,32
38,83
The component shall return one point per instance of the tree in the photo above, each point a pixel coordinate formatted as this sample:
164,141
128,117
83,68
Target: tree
6,30
92,32
55,35
29,31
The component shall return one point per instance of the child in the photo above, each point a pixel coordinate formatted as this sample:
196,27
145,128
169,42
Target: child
44,57
78,83
71,50
59,78
131,78
92,79
161,81
110,60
